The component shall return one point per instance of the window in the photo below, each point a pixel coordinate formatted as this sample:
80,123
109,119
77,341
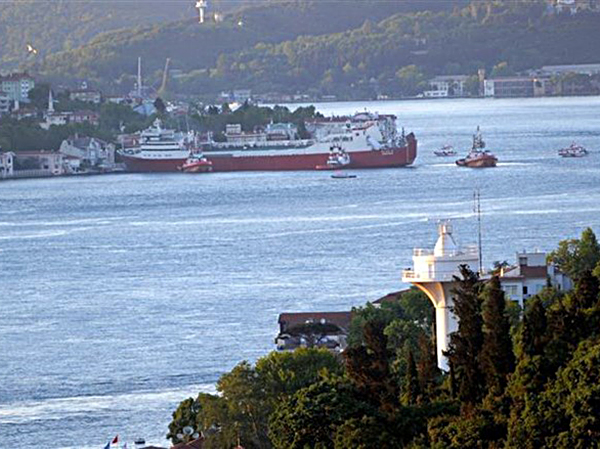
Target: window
510,290
525,290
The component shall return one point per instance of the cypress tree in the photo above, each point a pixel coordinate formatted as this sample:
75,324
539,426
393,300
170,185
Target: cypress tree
427,368
411,382
533,334
497,356
466,343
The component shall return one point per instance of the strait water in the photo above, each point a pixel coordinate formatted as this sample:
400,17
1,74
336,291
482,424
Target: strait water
122,295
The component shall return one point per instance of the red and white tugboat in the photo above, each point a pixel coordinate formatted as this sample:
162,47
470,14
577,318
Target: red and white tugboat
196,163
478,157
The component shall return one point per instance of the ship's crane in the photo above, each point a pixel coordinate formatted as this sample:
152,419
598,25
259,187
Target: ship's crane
201,6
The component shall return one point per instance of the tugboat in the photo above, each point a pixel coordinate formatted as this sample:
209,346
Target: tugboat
196,163
573,151
445,151
338,159
478,157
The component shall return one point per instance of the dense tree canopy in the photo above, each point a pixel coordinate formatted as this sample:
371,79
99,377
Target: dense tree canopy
534,387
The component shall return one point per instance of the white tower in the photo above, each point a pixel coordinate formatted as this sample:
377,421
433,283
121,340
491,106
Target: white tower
201,5
433,273
50,102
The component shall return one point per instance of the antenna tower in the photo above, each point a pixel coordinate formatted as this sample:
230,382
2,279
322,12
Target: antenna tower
477,210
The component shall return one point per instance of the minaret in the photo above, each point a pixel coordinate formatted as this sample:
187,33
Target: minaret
50,102
139,78
433,273
201,5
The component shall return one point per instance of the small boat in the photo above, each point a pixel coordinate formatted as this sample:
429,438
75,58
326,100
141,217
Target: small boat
342,175
196,163
338,159
478,157
573,150
445,151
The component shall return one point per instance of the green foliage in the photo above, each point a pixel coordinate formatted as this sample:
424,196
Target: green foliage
497,356
391,394
464,354
249,395
577,256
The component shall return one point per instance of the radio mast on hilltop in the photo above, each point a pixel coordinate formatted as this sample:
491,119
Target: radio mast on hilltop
201,5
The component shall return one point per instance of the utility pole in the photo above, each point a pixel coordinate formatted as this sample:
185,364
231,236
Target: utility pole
477,210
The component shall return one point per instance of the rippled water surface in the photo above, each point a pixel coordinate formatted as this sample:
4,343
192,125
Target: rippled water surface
122,295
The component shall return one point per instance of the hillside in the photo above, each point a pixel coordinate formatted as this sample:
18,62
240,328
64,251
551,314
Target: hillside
112,55
396,55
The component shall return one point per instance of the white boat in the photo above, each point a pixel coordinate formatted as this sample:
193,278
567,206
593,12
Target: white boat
446,150
573,150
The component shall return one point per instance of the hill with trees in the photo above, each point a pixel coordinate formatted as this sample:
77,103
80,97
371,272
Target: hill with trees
529,380
110,58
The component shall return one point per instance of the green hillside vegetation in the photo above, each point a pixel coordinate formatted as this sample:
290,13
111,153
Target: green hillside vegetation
110,58
532,382
397,55
63,24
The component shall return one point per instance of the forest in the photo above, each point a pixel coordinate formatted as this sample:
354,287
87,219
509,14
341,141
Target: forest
518,378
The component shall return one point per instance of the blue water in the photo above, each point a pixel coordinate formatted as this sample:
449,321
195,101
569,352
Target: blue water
121,295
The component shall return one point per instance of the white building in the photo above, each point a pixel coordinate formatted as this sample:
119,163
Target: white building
6,164
43,163
446,86
17,86
90,150
281,131
235,135
86,95
530,275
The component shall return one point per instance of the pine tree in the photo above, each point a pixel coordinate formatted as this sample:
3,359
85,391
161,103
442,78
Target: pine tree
497,356
466,343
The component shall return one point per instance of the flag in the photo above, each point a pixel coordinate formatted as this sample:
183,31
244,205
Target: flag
115,440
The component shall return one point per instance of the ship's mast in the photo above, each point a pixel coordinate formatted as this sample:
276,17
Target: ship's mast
477,210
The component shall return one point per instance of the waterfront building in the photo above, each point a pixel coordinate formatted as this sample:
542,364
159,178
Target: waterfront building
323,329
446,86
90,150
509,87
235,135
281,131
38,163
17,86
6,164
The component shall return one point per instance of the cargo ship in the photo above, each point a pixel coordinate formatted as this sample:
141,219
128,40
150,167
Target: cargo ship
364,140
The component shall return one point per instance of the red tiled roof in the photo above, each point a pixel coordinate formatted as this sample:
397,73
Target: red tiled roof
391,297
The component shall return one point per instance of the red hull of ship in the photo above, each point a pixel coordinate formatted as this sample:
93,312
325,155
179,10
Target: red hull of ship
399,157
